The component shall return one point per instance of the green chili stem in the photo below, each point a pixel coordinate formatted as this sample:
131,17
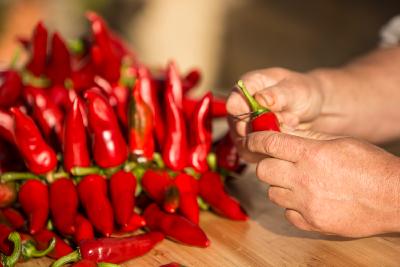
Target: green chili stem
30,251
107,264
212,161
83,171
72,257
15,58
254,105
12,176
157,158
10,261
202,204
129,166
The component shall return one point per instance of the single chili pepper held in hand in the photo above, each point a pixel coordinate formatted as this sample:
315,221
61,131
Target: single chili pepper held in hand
75,147
122,192
262,118
200,134
10,88
38,47
13,217
59,66
141,125
39,157
63,205
6,126
227,153
175,227
83,229
212,190
33,196
44,237
109,148
113,250
92,192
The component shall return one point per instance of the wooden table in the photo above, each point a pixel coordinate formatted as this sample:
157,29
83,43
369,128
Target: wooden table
271,241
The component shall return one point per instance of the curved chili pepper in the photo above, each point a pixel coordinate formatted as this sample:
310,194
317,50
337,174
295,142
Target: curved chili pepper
6,126
188,190
43,239
13,217
212,190
122,191
10,87
83,229
218,107
75,147
47,114
174,84
92,192
63,205
109,148
227,153
191,79
140,123
135,222
175,145
39,157
33,196
175,227
262,119
200,134
59,65
113,250
148,92
29,249
10,261
8,194
37,61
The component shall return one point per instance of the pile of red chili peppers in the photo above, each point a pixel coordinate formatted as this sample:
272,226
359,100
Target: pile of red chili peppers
102,158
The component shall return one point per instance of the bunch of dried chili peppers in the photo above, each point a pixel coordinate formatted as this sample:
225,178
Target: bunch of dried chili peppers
101,159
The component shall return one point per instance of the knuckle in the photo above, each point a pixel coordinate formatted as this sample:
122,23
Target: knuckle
271,143
272,195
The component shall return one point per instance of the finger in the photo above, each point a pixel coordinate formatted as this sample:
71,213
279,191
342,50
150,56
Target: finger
239,128
313,135
276,172
282,197
295,218
278,145
236,104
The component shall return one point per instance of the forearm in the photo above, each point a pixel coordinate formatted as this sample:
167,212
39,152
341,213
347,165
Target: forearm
362,99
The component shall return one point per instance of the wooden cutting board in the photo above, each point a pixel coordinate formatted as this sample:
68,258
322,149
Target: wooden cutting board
279,244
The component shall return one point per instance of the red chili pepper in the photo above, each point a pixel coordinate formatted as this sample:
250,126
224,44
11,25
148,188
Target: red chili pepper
83,75
200,134
191,79
171,199
8,194
122,192
172,264
64,205
37,61
33,196
227,153
75,147
155,183
85,263
175,151
82,107
212,191
93,195
141,125
5,244
83,229
13,217
262,118
175,227
39,157
121,94
44,237
6,126
218,107
109,148
59,65
47,114
135,222
10,87
113,250
174,84
188,190
148,92
58,94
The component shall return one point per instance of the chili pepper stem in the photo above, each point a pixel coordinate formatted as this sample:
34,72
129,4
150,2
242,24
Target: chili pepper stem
30,251
10,261
83,171
129,166
212,161
72,257
254,105
13,176
107,264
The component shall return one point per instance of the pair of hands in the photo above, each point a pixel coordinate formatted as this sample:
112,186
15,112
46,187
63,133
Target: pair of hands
333,185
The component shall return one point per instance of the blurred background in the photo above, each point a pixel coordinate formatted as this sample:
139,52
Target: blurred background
224,38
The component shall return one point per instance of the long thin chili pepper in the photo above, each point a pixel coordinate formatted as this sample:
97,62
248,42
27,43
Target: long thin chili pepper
59,95
83,229
93,196
175,227
38,47
83,75
191,79
13,217
109,147
148,92
10,88
75,147
218,107
212,190
200,134
113,250
43,239
8,194
59,65
227,153
188,190
63,205
6,126
39,157
122,192
33,196
141,125
174,84
121,94
155,182
262,118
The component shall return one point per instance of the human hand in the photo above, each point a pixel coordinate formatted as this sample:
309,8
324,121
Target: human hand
295,98
340,186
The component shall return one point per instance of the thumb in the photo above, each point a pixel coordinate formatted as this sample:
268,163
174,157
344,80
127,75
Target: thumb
312,134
